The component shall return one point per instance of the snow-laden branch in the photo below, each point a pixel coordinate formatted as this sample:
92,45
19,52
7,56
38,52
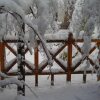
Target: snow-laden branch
4,75
86,46
85,16
10,80
13,7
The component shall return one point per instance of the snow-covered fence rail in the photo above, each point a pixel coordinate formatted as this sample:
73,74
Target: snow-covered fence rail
36,68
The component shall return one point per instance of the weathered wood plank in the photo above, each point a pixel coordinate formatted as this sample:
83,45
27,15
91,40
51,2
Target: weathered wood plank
2,57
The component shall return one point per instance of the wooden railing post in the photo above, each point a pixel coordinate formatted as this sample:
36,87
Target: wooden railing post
2,57
84,78
98,72
52,79
69,63
36,61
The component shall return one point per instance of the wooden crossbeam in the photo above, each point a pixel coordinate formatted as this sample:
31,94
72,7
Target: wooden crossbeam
15,61
93,40
92,49
56,60
11,49
79,49
8,68
60,50
28,66
92,63
54,57
76,66
40,69
26,50
60,64
48,73
49,41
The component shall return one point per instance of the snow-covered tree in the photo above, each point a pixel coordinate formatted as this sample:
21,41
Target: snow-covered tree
86,17
43,16
17,10
66,8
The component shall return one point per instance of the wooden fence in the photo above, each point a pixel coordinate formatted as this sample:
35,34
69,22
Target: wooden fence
68,69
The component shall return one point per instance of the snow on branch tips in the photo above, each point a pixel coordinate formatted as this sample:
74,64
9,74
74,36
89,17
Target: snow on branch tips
10,80
13,7
86,46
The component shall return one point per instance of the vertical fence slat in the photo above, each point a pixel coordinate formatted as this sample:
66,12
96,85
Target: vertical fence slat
52,79
98,72
36,61
84,78
2,57
69,63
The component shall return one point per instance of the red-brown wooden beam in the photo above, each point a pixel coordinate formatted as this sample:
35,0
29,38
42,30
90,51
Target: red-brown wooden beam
41,69
60,64
60,49
79,49
2,57
26,50
48,73
11,49
54,57
69,63
52,79
36,60
51,41
29,67
13,63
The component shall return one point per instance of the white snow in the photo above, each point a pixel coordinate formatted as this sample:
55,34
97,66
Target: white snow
10,63
61,34
9,81
61,91
30,64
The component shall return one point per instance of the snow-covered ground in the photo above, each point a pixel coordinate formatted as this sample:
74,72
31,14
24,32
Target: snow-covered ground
62,90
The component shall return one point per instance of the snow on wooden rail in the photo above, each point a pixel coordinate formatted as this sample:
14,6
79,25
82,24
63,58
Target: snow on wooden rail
61,35
71,66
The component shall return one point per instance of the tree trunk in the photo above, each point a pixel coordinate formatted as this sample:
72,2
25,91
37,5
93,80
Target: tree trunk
21,64
98,72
